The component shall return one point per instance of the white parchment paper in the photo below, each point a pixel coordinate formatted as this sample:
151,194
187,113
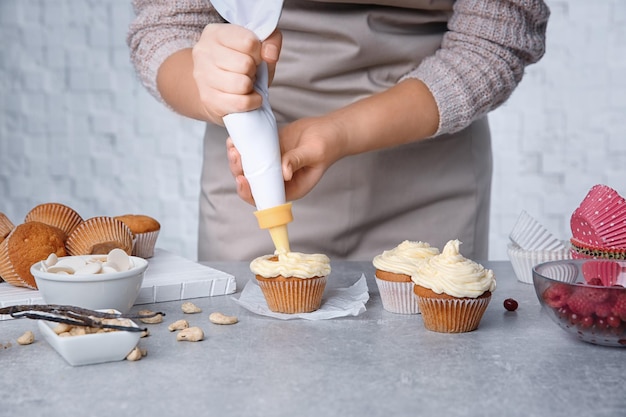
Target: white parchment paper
255,133
337,302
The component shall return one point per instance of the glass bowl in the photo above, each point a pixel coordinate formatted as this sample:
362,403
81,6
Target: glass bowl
586,298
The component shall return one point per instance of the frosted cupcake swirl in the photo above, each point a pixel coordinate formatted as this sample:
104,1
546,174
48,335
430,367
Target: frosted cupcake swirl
291,264
452,274
403,258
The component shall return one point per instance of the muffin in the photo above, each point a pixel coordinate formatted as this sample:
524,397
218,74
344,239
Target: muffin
394,268
55,214
98,236
452,292
145,232
27,244
292,282
6,226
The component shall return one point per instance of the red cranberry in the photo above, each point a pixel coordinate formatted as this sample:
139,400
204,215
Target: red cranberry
510,304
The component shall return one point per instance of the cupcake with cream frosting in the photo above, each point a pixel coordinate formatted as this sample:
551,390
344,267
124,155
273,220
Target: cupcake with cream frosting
394,268
453,292
292,282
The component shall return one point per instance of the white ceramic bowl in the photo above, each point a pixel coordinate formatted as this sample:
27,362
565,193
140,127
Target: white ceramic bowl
90,348
116,290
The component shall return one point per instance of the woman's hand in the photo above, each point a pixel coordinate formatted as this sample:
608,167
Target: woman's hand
225,61
308,146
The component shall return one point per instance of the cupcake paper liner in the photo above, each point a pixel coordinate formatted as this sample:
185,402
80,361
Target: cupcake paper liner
398,297
6,226
610,272
523,261
580,250
458,315
144,244
293,295
55,214
600,219
529,234
99,235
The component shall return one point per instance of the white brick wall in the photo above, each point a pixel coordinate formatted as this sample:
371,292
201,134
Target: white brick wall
76,126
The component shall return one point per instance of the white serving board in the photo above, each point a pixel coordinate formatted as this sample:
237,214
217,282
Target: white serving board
169,277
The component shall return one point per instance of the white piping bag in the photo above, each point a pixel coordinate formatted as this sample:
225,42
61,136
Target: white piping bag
255,133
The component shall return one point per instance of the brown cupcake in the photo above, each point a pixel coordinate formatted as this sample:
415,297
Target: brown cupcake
6,226
145,230
447,314
55,214
26,245
98,236
291,294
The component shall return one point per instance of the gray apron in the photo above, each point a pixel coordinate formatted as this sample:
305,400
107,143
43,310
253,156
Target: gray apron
432,190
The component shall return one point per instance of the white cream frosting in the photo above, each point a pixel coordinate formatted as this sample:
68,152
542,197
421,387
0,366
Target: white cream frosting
403,258
453,274
291,264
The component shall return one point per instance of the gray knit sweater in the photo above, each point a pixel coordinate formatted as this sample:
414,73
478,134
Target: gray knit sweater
480,62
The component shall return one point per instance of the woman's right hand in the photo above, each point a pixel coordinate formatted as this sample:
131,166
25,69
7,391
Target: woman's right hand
225,61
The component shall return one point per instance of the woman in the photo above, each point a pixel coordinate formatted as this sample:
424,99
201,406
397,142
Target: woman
381,107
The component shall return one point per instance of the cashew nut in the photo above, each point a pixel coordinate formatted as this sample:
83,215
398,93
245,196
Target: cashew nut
134,354
62,328
190,308
219,318
178,325
145,333
191,334
150,320
26,339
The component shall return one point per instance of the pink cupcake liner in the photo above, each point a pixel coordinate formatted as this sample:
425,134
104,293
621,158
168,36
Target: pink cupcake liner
610,272
398,297
600,219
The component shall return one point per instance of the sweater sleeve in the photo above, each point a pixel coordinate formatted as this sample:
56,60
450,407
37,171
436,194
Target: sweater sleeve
482,57
161,28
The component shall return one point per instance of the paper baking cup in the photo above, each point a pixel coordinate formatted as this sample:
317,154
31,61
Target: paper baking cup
610,272
398,297
523,261
99,235
55,214
456,315
144,244
6,226
529,234
293,295
600,219
581,250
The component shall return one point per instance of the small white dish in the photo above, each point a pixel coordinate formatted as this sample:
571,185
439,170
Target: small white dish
117,290
92,348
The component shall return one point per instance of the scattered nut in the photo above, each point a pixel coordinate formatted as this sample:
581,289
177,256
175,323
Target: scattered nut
150,320
190,308
178,325
134,354
191,334
26,339
219,318
62,328
145,333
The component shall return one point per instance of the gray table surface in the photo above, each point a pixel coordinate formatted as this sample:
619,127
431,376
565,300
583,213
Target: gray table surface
376,364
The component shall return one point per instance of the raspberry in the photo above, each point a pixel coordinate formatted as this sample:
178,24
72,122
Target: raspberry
595,281
594,295
580,304
613,321
556,295
586,322
619,307
604,309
